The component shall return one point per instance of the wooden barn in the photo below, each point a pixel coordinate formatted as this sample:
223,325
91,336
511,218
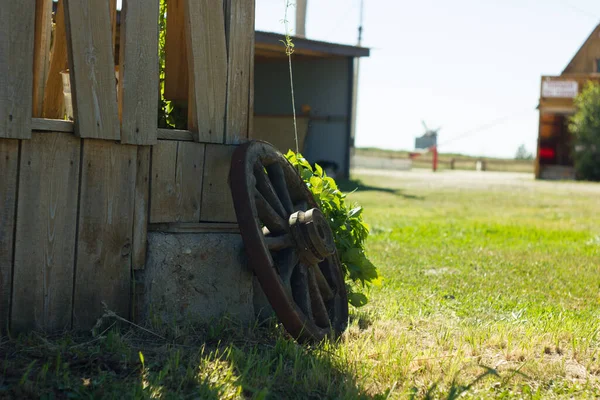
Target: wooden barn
555,150
324,79
108,210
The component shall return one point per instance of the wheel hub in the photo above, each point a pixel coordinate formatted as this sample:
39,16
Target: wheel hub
312,235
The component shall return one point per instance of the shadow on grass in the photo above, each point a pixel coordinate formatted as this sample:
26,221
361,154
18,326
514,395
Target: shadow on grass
219,361
351,185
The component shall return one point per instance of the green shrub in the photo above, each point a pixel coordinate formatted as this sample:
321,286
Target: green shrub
349,229
585,126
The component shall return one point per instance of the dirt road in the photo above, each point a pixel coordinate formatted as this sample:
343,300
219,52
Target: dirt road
477,180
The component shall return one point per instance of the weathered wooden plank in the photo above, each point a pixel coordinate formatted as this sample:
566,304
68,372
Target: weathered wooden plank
53,106
217,204
175,134
9,165
138,72
45,233
17,20
92,72
176,186
112,9
104,241
251,85
51,125
207,63
141,210
41,53
239,17
196,227
176,63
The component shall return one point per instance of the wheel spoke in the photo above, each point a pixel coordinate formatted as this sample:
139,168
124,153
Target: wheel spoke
278,243
287,261
273,221
263,184
300,289
279,184
316,301
322,283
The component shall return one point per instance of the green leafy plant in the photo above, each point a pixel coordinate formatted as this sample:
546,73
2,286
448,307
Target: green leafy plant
347,225
585,126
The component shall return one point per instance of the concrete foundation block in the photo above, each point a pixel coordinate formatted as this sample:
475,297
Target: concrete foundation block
196,277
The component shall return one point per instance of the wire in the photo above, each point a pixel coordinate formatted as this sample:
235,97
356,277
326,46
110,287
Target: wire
579,10
485,127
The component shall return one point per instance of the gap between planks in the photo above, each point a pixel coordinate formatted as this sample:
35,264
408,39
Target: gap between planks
195,227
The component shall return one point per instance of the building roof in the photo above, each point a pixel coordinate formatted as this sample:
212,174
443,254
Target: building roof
271,45
588,52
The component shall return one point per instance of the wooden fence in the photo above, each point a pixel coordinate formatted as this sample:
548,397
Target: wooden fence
78,197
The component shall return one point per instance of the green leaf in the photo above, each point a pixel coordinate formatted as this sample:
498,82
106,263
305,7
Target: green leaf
357,299
306,175
318,170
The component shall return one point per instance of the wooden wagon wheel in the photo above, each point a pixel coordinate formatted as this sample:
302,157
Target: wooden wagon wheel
289,243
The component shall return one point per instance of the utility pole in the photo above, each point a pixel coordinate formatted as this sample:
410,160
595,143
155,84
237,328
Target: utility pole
301,18
355,82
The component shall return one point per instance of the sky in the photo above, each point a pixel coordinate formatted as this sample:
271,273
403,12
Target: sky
472,67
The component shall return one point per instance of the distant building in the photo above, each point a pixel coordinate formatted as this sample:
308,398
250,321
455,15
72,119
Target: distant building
323,88
555,148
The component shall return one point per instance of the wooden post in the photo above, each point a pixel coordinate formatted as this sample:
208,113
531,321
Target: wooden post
138,72
53,106
9,165
239,17
104,240
17,21
207,63
92,71
41,55
176,63
45,232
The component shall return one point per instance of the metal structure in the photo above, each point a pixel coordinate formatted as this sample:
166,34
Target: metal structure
429,138
289,243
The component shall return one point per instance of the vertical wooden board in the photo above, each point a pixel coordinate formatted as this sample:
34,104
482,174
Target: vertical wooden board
207,63
141,210
92,70
105,226
240,33
17,20
251,86
45,234
9,165
163,187
176,186
112,9
138,72
41,54
217,204
176,64
53,106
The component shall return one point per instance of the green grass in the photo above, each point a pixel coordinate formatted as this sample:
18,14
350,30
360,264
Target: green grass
487,283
